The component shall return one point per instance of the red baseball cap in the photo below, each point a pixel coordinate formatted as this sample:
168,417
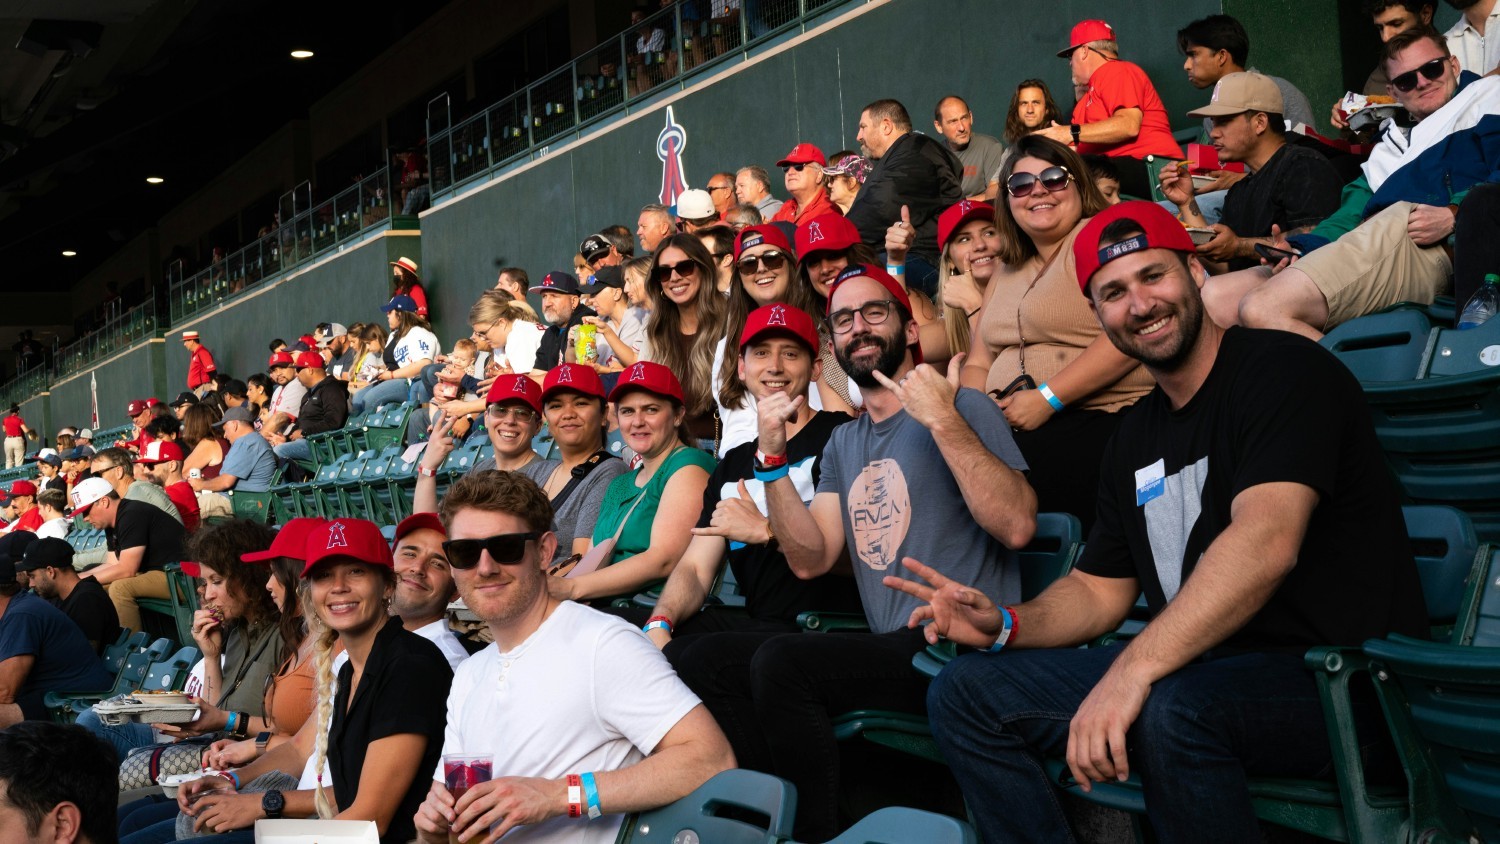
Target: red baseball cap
959,214
290,541
804,153
1160,231
1086,31
884,279
763,234
22,488
421,521
160,451
308,359
648,376
780,319
353,539
572,376
515,388
136,407
279,359
825,233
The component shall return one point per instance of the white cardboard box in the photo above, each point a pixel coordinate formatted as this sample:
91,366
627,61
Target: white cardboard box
315,832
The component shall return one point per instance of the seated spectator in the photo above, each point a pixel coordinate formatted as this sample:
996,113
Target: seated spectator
653,225
1386,243
1036,349
41,650
1105,176
695,208
687,320
562,310
386,737
1119,114
411,346
648,512
752,186
744,214
627,753
162,461
370,361
510,330
324,408
802,175
913,172
980,156
53,502
249,465
59,782
49,561
23,499
512,418
719,241
1293,539
205,448
846,175
621,328
406,282
1287,186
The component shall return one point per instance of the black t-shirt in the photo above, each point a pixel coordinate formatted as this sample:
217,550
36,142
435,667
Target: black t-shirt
89,606
404,690
550,351
1276,407
770,588
325,407
140,524
1296,187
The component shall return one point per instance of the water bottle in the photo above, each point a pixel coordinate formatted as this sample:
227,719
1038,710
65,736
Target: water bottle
1483,304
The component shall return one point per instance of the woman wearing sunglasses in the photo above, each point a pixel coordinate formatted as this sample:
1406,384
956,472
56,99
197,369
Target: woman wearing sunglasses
687,321
512,418
1037,348
763,274
648,513
573,405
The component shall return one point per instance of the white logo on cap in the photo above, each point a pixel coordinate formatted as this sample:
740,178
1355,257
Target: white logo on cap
336,536
637,372
778,315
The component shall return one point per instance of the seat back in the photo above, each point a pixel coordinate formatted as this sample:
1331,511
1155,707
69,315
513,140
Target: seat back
1389,346
900,825
744,792
1051,552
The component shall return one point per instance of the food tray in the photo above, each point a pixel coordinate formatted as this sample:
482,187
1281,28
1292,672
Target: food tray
126,709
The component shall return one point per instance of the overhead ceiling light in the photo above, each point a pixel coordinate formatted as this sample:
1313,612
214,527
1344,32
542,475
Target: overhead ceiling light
68,253
302,54
154,180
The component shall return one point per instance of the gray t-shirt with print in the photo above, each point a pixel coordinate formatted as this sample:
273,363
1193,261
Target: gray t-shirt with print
899,499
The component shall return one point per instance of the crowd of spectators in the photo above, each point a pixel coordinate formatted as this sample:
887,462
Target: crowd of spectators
935,338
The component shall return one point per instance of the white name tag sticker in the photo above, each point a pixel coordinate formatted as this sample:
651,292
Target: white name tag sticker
1150,482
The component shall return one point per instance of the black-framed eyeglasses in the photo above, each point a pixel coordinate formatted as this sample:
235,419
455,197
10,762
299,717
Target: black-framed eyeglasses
504,548
873,313
1433,71
773,261
1022,185
663,272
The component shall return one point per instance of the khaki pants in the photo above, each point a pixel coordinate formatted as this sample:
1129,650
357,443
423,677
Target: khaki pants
1376,266
15,451
122,593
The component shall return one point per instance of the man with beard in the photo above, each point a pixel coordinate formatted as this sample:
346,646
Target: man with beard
930,470
561,311
573,747
424,584
1246,497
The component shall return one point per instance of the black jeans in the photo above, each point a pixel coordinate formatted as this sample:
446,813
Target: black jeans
776,695
1476,241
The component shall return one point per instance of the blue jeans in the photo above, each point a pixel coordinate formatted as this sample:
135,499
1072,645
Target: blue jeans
1202,731
379,393
125,737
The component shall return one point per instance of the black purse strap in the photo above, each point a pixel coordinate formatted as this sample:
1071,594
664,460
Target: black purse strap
580,472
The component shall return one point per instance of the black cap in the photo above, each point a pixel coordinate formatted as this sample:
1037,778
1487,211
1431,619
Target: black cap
48,551
605,277
185,397
594,247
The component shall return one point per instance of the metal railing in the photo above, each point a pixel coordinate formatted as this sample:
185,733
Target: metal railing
639,63
307,235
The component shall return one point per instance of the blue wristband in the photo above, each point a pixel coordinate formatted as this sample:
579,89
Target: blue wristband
768,475
591,795
1051,398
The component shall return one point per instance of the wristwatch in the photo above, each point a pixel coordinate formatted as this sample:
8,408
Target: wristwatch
261,740
1076,130
272,803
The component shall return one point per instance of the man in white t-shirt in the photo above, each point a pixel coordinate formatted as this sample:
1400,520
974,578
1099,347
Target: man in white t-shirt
583,717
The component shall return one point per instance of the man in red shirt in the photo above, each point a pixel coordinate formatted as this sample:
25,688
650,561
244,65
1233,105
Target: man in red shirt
1119,114
163,462
23,499
201,365
803,176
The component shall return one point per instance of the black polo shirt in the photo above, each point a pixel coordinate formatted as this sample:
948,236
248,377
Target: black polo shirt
89,606
404,690
140,524
325,407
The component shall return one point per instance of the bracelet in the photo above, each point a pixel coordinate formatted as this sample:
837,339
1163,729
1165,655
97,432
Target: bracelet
232,777
767,475
1051,397
1007,628
575,796
896,269
591,793
663,619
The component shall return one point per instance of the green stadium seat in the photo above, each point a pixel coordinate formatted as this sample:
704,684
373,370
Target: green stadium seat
899,825
719,811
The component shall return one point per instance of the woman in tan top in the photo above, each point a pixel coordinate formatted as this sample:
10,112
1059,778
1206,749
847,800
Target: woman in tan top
1038,346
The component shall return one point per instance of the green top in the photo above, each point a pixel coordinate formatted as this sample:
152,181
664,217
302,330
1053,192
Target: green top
622,493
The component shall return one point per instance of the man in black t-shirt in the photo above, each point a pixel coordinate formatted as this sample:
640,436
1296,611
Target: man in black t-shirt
1247,497
50,562
140,539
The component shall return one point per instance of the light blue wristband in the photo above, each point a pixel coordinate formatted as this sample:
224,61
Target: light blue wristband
1051,398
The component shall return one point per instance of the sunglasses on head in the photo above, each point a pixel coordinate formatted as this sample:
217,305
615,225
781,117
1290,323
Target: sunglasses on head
685,269
773,261
1433,71
505,549
1022,185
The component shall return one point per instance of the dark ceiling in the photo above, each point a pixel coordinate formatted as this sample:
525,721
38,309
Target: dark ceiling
95,95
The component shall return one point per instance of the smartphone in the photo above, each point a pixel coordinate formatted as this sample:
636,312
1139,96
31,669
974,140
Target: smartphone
1274,255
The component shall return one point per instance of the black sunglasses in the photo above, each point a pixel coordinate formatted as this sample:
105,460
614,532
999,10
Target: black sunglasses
1022,185
663,272
1433,70
772,261
505,549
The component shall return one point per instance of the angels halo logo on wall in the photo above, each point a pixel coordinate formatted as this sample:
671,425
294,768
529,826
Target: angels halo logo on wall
670,143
